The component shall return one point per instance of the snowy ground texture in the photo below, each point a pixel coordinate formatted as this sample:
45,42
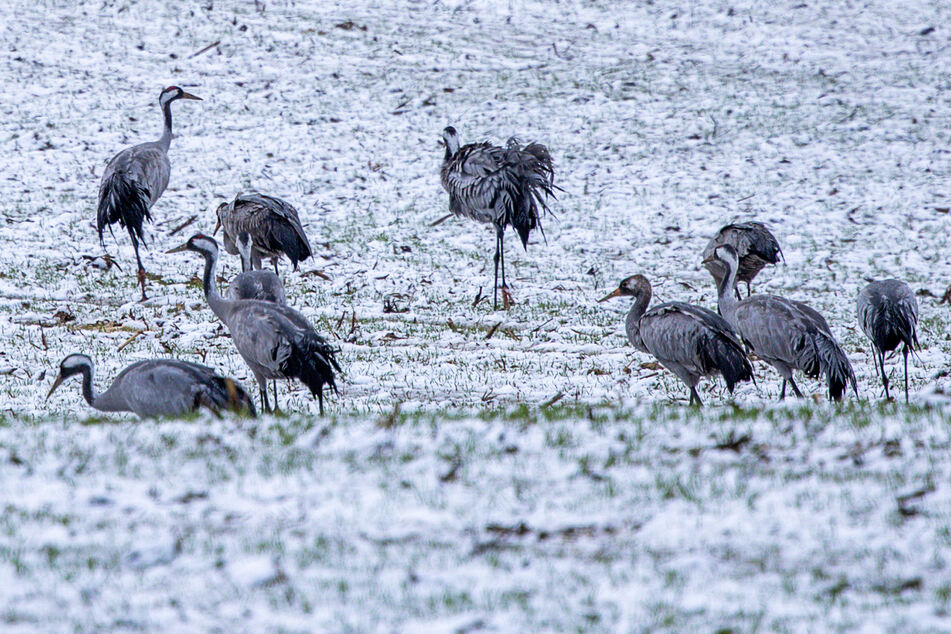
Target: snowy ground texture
539,475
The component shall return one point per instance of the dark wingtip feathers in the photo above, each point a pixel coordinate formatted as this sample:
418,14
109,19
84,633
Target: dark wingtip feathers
124,202
293,245
532,165
835,365
730,360
314,362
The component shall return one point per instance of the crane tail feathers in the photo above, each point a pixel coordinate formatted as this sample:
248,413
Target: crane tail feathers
313,363
228,395
729,359
122,200
533,180
295,247
835,365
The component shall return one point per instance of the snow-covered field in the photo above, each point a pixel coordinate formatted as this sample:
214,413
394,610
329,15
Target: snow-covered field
480,470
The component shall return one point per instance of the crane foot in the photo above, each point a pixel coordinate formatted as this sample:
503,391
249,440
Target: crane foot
142,283
506,298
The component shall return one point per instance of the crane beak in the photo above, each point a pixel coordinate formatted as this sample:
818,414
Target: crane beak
188,95
217,226
616,293
178,249
56,384
708,259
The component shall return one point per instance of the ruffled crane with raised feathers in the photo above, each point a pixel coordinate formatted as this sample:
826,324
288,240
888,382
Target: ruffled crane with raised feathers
505,186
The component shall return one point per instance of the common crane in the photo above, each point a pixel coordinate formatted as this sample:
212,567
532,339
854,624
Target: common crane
158,387
250,284
275,341
755,246
134,179
273,224
888,314
690,341
787,335
504,186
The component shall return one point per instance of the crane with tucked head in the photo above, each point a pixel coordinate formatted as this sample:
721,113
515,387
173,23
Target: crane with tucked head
755,247
504,186
788,335
251,284
275,341
888,314
134,179
273,224
158,387
690,341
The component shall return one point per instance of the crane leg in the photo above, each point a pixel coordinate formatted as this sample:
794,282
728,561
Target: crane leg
141,274
275,265
695,398
795,388
320,400
276,406
495,287
748,290
881,363
264,401
782,394
506,297
905,353
737,291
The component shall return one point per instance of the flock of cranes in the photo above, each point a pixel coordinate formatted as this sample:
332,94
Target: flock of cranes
506,186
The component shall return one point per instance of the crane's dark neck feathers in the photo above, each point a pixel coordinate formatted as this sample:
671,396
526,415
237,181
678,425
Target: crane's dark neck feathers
86,370
218,304
88,393
166,139
632,325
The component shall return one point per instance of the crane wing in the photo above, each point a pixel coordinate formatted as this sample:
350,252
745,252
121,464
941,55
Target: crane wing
146,165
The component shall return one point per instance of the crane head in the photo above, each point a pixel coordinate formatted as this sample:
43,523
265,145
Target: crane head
174,92
218,212
634,286
724,255
73,364
199,243
450,138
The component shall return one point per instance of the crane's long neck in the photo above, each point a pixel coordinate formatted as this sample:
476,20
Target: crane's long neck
245,259
89,393
166,139
632,324
219,305
726,298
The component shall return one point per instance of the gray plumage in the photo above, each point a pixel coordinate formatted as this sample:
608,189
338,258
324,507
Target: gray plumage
158,387
887,311
504,186
755,246
788,335
273,224
275,341
134,179
690,341
250,284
